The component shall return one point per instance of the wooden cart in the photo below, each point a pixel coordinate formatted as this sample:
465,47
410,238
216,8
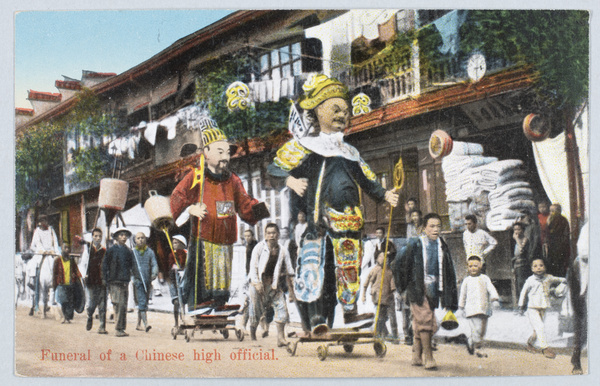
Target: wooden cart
218,320
345,337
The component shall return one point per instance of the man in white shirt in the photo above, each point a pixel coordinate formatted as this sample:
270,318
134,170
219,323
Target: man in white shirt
375,246
477,242
270,265
44,244
300,228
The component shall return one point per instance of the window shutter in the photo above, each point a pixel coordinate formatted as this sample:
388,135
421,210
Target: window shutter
312,48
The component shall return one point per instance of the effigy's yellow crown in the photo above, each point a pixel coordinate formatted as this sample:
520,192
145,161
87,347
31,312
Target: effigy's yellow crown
213,135
318,88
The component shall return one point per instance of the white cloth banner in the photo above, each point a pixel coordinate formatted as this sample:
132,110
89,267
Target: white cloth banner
136,220
551,161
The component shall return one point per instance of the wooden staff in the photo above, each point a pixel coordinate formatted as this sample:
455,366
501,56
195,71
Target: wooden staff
200,198
398,183
165,229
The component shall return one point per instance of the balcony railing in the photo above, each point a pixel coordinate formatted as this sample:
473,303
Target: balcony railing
412,77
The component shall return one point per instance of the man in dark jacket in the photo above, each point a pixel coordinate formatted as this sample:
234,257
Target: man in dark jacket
116,273
250,244
93,281
559,243
64,277
428,282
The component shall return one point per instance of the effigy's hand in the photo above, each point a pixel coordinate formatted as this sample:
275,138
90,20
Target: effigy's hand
198,210
298,185
392,198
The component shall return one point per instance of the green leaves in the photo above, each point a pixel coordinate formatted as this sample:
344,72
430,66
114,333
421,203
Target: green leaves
555,42
37,153
90,164
259,120
40,150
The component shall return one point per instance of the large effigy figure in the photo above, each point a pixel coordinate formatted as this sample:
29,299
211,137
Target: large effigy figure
212,195
326,176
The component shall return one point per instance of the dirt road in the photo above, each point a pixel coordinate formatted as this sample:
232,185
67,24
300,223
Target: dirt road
45,347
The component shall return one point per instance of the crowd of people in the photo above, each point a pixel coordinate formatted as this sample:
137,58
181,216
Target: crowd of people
325,177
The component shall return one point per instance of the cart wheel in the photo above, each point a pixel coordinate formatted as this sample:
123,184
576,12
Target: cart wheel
225,333
380,348
322,352
174,332
239,334
188,335
348,348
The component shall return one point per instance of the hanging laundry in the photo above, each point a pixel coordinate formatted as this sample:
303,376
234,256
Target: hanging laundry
131,146
284,92
254,91
276,90
170,124
150,132
114,148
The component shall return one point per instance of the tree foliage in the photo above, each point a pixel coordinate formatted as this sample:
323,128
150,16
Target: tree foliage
554,42
37,153
40,150
88,119
259,120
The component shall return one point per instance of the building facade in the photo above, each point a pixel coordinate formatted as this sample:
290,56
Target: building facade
408,63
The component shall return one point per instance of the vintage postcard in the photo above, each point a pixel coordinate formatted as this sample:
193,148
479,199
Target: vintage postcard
301,193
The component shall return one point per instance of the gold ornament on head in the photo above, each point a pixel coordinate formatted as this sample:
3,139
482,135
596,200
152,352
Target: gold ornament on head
318,88
238,96
213,135
361,104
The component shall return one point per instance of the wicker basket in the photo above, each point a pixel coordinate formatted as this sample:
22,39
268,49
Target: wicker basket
113,193
158,209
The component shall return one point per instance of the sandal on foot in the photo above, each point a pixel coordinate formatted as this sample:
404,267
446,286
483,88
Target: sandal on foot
530,346
549,353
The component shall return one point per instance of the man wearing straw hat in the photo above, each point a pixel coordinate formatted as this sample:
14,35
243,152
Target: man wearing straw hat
326,176
176,263
117,267
213,196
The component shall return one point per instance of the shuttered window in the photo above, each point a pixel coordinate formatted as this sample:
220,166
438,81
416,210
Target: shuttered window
292,60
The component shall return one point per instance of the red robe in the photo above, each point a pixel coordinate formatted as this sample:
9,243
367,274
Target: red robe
181,258
223,199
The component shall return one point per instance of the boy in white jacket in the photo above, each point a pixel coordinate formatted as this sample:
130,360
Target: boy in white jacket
477,293
536,293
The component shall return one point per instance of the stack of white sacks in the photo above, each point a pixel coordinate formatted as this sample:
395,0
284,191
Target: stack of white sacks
492,190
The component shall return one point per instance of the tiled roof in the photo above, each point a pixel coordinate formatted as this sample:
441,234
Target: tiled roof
68,84
23,111
44,96
92,74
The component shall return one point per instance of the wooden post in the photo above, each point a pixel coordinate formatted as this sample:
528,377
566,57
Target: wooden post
573,177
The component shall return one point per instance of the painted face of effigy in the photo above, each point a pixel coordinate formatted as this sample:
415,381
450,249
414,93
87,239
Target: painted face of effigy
217,156
333,115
